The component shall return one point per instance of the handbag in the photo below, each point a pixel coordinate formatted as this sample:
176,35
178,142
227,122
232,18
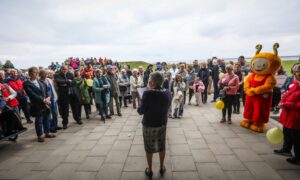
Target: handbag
123,88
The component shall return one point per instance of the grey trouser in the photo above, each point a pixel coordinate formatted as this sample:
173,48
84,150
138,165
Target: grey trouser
111,104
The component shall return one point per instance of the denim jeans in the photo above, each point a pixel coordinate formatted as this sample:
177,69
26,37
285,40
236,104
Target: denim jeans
54,114
216,90
42,123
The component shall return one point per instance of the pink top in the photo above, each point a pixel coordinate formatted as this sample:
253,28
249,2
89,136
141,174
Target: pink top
198,87
232,81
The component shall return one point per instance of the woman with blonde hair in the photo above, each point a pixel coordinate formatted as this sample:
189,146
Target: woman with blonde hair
136,81
228,85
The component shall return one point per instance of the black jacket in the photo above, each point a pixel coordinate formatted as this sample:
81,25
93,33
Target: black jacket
36,96
203,74
146,77
66,85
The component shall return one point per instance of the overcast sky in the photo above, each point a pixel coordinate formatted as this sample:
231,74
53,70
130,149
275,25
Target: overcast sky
36,32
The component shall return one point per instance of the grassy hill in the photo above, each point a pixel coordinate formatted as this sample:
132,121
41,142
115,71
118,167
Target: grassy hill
135,64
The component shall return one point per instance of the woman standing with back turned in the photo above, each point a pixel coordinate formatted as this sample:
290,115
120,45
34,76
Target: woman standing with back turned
154,106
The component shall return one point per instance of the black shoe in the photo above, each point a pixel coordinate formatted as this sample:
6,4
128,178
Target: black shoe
107,117
29,121
162,171
53,131
111,114
119,114
125,106
223,120
87,117
148,173
65,126
58,128
237,112
79,122
234,112
213,101
293,160
229,121
102,118
282,152
276,111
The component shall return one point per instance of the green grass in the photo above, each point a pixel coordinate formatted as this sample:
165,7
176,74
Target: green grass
135,64
287,65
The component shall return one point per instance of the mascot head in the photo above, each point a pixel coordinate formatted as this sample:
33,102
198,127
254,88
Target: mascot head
265,63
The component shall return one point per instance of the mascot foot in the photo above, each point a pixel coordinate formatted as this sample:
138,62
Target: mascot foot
246,123
260,128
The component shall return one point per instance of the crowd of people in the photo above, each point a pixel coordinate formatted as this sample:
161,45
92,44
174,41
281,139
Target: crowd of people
45,93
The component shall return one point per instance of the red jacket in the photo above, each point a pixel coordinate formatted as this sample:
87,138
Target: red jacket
290,115
88,73
17,85
5,93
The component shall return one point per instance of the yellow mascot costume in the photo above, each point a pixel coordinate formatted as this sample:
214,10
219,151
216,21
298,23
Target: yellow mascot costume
258,87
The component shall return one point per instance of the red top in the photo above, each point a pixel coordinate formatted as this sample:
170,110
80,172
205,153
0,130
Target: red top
290,115
254,83
88,73
17,85
5,93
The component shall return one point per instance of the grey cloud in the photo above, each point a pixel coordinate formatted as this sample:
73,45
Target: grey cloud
42,31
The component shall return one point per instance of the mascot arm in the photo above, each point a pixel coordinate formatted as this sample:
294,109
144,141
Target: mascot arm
247,87
267,87
288,105
297,105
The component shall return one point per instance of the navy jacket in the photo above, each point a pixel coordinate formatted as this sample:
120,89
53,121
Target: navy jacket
203,74
36,96
154,106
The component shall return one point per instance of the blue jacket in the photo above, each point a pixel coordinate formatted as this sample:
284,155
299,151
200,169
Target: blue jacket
99,94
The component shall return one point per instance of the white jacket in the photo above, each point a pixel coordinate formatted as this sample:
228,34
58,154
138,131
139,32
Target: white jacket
135,83
53,88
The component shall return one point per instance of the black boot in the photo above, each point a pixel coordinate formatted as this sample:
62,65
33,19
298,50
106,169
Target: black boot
283,152
293,160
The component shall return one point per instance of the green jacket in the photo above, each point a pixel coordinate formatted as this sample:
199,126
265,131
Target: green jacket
84,96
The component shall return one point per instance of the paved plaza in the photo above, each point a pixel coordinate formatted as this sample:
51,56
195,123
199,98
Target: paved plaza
198,147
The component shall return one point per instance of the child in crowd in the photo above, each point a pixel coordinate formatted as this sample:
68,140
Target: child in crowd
178,88
198,88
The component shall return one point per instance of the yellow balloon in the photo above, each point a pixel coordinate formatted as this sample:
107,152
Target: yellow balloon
275,135
89,82
219,104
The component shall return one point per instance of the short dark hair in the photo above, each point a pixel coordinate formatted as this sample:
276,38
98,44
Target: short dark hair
42,72
238,64
30,70
158,79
